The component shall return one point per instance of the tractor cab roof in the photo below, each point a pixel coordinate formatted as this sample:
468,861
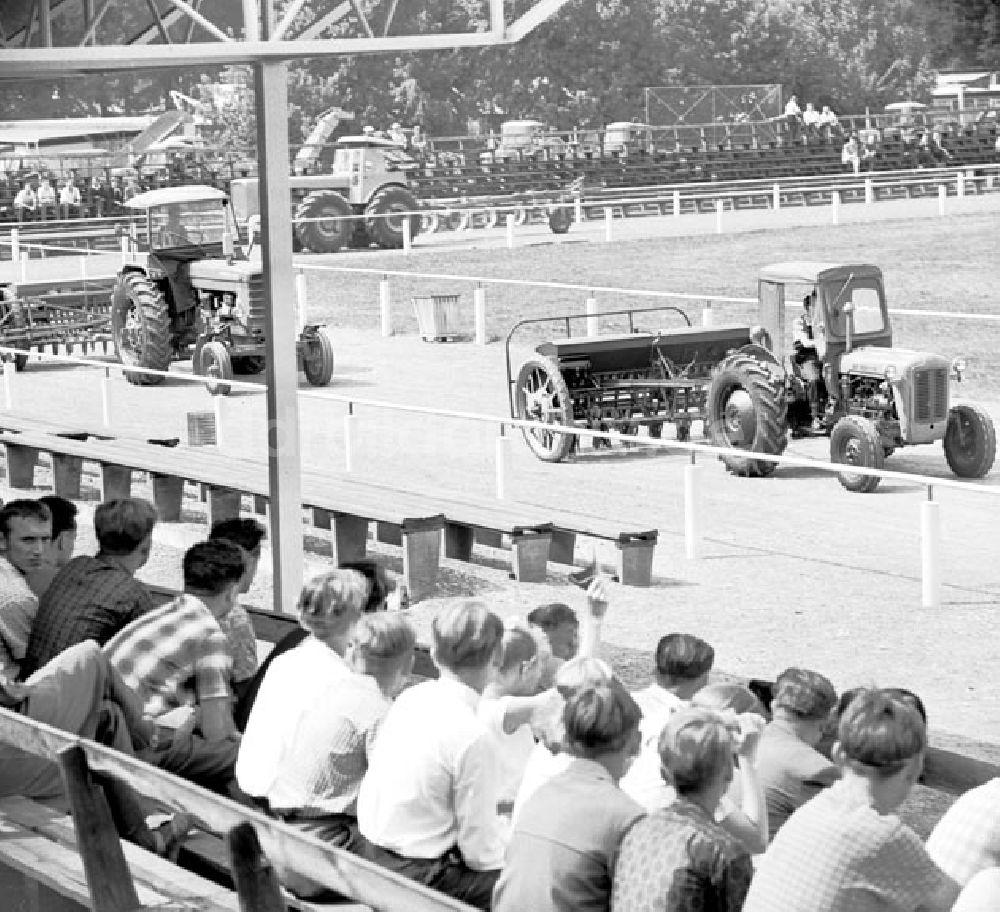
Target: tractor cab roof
366,142
166,196
807,272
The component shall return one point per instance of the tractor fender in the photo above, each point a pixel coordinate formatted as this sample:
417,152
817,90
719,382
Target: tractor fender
762,354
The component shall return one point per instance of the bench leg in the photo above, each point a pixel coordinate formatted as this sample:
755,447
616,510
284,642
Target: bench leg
116,482
563,545
458,541
260,504
635,562
66,474
421,558
388,534
530,556
349,537
223,503
168,494
21,461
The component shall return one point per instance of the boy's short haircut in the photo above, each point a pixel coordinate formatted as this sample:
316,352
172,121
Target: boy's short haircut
330,594
683,657
23,508
211,566
736,698
580,672
553,615
382,642
805,694
881,731
380,585
466,636
246,532
517,646
124,524
694,746
63,513
911,699
600,720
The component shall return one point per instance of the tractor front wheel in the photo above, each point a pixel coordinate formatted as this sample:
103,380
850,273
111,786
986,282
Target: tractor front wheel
213,361
324,222
856,441
541,395
746,412
140,325
317,357
970,441
386,213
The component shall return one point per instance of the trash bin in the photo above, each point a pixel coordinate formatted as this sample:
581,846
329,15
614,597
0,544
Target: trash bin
437,317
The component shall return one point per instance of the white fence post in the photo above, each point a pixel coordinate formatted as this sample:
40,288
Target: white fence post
502,453
106,400
8,383
692,509
407,240
719,206
677,203
301,293
125,249
869,191
835,207
479,308
578,211
942,197
593,323
960,184
707,315
930,551
25,256
776,197
15,245
609,215
385,306
509,222
350,431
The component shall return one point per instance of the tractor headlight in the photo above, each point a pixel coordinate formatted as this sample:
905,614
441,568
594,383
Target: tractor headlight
958,368
890,372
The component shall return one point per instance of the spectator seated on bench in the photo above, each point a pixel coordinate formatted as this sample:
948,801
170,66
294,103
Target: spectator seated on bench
846,849
93,598
679,858
80,692
561,627
176,658
427,808
63,543
562,851
683,663
790,767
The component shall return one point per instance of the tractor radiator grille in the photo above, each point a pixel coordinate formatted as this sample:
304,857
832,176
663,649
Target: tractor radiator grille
930,395
258,311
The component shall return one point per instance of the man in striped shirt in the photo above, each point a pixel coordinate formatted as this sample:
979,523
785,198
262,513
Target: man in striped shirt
176,658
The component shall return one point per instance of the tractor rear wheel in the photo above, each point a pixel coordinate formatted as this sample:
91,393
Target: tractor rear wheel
317,357
213,361
857,441
541,394
745,410
970,441
140,325
384,218
336,225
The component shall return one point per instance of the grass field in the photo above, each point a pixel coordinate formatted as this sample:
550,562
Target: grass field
929,264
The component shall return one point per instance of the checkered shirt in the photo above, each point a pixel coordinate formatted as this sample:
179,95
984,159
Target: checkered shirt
967,839
242,643
837,854
176,655
18,606
91,598
680,860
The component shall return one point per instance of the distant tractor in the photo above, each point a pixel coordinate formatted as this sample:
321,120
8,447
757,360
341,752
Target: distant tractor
876,398
365,198
187,292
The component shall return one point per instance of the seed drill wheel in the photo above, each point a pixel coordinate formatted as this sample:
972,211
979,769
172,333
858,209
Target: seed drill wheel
140,324
970,441
384,216
856,441
541,395
317,357
335,228
213,361
746,412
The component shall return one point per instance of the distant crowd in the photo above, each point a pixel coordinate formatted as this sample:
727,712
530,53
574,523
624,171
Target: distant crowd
524,778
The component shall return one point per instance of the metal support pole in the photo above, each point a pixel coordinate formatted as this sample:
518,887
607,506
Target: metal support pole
24,265
719,206
835,207
593,324
284,455
479,308
692,510
509,222
677,203
8,384
217,402
776,197
350,432
15,245
385,306
930,551
609,215
502,455
106,400
942,197
301,300
869,191
407,239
